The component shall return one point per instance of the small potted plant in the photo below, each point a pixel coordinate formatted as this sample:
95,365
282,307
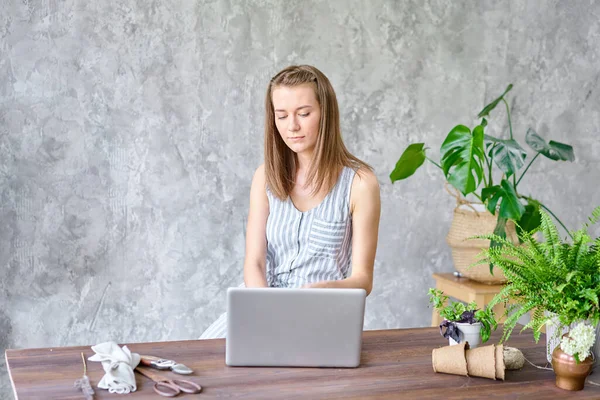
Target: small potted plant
556,281
463,322
572,360
488,169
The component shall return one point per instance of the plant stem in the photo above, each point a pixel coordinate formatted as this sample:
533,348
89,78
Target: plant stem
556,218
508,114
511,134
551,213
434,163
529,165
489,163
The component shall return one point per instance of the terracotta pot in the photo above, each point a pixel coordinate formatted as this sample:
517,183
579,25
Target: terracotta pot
570,375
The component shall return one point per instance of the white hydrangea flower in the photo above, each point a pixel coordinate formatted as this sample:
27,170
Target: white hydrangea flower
579,341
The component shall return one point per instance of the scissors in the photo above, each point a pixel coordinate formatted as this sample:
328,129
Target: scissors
163,363
169,387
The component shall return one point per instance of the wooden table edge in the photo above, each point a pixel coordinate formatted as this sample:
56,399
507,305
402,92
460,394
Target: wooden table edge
12,382
125,343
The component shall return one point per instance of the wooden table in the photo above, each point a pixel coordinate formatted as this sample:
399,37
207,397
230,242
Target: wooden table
394,364
466,290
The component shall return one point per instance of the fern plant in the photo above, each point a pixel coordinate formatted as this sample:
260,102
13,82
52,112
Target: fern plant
558,276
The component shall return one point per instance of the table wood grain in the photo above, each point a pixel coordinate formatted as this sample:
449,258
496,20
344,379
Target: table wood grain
394,364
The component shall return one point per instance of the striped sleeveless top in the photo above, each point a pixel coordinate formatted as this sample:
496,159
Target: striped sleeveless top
311,246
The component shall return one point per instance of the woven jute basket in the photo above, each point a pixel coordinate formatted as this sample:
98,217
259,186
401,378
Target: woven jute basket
469,220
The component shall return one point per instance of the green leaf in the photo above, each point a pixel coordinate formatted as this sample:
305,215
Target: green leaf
487,109
490,196
510,207
410,160
553,150
500,228
508,155
500,232
591,296
452,159
530,219
594,218
550,233
462,158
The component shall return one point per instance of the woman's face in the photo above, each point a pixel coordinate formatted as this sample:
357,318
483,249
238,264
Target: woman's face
297,116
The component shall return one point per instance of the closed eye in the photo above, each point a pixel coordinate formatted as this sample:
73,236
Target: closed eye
301,115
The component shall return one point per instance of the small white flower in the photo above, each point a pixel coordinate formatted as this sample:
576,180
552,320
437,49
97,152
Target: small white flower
579,341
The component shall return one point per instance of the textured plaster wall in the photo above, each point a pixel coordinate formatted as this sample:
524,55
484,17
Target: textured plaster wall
129,132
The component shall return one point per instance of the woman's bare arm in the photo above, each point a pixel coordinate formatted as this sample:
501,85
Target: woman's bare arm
256,228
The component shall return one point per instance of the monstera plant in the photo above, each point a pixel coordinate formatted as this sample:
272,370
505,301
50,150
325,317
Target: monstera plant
489,168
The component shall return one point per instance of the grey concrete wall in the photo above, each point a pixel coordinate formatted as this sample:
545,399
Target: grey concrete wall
129,132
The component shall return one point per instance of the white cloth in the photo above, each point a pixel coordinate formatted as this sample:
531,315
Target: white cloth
118,363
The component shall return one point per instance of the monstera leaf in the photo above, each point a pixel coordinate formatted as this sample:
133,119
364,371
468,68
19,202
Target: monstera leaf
508,155
487,109
553,150
531,218
499,230
410,160
462,158
510,207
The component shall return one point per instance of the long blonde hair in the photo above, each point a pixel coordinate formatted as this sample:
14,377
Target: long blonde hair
330,154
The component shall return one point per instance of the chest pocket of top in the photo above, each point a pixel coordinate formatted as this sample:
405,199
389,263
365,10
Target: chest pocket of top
326,237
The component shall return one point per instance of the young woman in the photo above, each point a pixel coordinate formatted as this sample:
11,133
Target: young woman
314,207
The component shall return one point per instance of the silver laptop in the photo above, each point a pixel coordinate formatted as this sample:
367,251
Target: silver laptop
294,327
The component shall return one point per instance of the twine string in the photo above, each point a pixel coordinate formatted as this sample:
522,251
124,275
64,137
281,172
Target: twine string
83,383
550,369
460,200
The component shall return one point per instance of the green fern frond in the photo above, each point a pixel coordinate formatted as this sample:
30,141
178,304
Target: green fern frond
522,253
578,250
512,320
594,218
596,252
550,232
492,237
537,321
590,295
503,296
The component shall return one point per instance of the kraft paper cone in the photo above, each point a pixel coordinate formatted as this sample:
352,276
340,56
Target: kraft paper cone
500,367
450,359
482,362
